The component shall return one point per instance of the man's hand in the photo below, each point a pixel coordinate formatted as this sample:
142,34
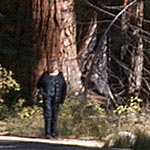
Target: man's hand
39,94
39,97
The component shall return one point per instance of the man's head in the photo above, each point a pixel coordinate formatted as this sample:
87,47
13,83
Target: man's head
52,65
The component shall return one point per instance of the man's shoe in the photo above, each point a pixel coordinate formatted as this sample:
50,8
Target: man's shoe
54,135
48,137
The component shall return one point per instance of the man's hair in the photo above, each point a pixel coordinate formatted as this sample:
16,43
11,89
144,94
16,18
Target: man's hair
53,62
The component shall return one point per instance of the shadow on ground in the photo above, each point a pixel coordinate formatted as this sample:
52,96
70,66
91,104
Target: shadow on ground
13,145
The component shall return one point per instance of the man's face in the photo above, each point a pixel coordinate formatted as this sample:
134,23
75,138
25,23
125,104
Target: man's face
52,68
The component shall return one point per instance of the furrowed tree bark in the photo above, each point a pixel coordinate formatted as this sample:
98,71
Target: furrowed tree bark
125,20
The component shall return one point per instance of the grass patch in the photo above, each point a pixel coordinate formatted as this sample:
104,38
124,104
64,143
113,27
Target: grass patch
77,118
83,119
28,126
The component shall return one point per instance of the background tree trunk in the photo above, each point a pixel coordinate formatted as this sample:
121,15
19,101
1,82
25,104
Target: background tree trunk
93,57
135,77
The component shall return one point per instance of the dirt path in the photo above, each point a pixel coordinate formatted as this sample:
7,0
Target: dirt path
88,143
19,143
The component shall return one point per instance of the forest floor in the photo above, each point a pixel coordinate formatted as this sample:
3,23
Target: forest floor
81,123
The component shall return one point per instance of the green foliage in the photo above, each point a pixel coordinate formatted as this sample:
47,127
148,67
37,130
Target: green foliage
28,121
3,109
132,106
78,119
27,111
7,84
83,118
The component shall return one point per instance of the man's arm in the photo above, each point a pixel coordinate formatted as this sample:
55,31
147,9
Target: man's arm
64,89
39,91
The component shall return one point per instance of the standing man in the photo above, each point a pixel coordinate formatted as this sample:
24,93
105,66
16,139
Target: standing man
53,87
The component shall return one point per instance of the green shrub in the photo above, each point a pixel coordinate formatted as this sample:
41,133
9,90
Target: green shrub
29,122
3,109
7,84
132,106
83,118
78,119
129,113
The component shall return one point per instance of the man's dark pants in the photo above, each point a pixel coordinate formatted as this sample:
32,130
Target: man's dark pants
51,110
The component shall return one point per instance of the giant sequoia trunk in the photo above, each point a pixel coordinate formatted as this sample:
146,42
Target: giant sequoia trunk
55,35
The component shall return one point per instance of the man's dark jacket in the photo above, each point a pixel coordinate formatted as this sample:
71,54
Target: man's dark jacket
53,86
